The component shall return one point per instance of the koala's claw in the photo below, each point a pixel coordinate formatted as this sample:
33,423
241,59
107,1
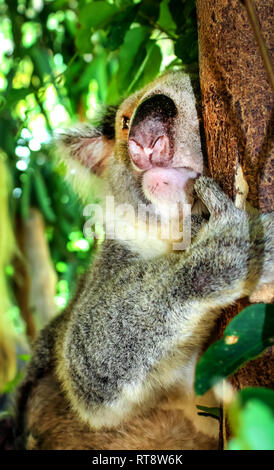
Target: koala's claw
211,195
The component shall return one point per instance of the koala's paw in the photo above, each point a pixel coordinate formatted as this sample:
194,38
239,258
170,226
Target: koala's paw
263,294
212,196
243,242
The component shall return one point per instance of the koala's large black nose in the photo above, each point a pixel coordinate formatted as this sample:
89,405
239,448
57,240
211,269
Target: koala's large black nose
157,106
151,134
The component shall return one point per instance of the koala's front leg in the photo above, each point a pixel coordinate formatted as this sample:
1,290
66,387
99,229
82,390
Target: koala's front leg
232,255
245,250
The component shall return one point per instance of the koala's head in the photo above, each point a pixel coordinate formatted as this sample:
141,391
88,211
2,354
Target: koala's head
148,152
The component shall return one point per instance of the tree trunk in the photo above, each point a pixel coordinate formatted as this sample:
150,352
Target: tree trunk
42,273
237,105
35,275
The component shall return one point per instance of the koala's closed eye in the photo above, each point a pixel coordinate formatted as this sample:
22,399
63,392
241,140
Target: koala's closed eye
125,122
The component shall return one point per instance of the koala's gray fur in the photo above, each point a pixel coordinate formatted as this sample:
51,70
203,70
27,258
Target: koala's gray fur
137,326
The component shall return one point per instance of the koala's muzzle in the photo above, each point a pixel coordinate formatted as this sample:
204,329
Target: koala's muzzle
151,137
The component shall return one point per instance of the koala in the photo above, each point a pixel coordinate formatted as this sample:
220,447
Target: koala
115,369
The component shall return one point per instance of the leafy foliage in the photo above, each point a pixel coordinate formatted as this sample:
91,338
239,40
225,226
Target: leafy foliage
252,420
251,413
60,61
213,412
247,335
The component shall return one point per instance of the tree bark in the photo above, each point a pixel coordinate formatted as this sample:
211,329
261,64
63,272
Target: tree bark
237,103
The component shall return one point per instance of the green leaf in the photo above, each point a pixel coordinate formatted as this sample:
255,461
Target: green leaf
165,20
247,335
132,53
120,25
212,412
12,97
42,197
42,61
97,14
150,67
101,75
98,70
24,357
113,96
260,393
252,426
83,40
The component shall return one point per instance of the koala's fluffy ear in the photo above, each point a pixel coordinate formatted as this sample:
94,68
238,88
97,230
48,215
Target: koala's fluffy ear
85,151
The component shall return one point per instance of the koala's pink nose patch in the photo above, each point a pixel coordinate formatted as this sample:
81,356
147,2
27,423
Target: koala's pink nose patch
169,184
156,154
151,138
139,155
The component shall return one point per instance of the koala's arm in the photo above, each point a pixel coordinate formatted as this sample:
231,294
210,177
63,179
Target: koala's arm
121,331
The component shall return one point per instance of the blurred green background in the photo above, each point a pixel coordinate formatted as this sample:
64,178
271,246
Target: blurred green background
60,62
